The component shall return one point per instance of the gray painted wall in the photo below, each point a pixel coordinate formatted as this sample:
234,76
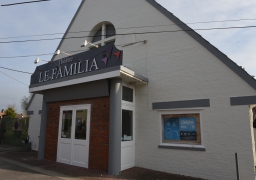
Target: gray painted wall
115,127
245,100
80,91
182,104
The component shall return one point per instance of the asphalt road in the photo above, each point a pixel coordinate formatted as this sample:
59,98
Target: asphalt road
12,172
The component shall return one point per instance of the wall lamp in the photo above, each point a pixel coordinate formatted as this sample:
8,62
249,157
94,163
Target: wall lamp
38,59
59,51
97,46
86,43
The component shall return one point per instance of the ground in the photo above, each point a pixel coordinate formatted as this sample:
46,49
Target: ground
10,171
16,163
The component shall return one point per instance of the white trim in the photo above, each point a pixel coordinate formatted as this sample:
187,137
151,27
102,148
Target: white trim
77,81
181,111
130,106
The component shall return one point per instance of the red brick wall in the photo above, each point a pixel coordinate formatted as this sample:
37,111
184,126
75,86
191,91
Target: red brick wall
99,131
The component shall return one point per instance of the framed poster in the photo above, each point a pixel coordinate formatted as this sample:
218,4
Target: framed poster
182,128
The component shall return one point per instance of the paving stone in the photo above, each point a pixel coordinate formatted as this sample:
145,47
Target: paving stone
136,173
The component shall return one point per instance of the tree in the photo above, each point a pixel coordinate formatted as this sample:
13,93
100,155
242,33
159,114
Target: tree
11,111
24,103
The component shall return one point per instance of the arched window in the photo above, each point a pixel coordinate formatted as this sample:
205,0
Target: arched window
102,34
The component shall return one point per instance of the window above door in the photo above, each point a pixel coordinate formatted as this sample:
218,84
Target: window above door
128,95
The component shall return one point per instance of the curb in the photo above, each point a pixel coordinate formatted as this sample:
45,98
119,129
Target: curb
39,170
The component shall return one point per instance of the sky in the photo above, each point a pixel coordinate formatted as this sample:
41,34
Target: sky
54,17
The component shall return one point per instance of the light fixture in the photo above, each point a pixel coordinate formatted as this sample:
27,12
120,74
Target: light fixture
59,51
38,59
87,42
97,46
144,41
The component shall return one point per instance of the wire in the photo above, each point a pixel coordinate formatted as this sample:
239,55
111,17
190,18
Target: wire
36,55
13,78
15,70
28,55
35,40
121,44
24,3
131,27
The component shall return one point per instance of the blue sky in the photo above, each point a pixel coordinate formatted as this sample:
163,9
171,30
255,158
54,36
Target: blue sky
54,17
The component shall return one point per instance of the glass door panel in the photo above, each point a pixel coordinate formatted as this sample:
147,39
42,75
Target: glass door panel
127,125
128,138
80,124
66,124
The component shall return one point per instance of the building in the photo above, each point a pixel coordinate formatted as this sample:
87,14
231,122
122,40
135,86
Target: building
2,114
34,110
166,101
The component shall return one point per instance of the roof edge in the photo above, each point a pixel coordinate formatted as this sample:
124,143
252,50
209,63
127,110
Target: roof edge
30,101
221,56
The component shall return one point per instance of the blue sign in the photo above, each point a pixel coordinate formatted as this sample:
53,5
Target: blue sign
171,129
183,128
188,124
188,128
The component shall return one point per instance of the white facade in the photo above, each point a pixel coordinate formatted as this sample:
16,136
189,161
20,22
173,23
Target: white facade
178,69
35,120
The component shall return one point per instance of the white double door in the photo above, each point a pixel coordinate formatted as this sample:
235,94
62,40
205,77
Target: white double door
74,135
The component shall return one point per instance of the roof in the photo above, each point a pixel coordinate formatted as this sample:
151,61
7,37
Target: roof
19,116
221,56
2,114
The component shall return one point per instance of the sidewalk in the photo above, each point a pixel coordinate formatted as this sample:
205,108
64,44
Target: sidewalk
28,159
7,148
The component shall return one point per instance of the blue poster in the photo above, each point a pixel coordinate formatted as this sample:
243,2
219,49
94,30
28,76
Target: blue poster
183,128
188,124
171,129
188,129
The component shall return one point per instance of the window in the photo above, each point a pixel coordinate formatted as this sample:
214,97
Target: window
81,121
127,94
102,34
127,125
181,129
110,31
66,124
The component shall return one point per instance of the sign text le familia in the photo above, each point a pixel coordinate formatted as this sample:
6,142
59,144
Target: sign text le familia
64,71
